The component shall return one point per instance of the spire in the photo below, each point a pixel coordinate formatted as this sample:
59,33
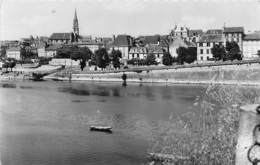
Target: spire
75,15
75,24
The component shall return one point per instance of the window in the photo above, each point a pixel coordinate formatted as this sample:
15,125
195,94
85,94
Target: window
207,51
133,56
137,55
201,58
201,44
208,44
158,55
207,57
201,51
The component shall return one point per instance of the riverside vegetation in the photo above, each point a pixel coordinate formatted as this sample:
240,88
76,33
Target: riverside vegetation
213,139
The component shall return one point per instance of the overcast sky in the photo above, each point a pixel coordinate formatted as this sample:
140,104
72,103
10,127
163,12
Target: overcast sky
22,18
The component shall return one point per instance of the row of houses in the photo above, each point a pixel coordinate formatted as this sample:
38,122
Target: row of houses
140,47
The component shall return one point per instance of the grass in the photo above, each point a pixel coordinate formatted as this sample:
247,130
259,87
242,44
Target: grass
210,137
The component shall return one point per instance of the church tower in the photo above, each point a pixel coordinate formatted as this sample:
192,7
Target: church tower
76,24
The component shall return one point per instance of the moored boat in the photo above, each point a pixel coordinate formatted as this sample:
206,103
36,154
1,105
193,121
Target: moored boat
101,128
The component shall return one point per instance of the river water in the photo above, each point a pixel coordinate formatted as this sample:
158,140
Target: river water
47,123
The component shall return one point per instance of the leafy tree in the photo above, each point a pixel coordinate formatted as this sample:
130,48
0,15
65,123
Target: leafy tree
75,53
181,51
191,55
10,63
233,51
218,52
151,60
66,51
3,52
187,55
101,58
115,58
27,54
167,58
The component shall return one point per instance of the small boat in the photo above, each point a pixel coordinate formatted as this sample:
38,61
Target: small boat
101,128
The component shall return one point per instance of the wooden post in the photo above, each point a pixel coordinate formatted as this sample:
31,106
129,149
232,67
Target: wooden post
249,119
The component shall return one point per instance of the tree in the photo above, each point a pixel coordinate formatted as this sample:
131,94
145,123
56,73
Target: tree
65,52
151,60
27,54
10,63
187,55
3,52
233,51
167,59
181,51
115,56
191,55
101,58
75,53
218,52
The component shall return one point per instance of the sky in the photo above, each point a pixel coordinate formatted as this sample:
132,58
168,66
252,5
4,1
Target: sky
22,18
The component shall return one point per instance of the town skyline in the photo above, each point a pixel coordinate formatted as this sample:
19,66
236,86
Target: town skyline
107,17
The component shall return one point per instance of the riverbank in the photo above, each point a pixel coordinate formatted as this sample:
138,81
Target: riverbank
246,74
24,73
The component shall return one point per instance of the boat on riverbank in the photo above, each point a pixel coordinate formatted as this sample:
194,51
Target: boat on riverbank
107,129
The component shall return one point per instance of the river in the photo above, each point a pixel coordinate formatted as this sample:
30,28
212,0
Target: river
47,123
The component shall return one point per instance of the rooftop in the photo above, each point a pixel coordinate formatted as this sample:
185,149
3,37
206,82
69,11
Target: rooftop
154,49
195,32
122,40
61,36
138,50
211,38
14,49
252,36
214,31
234,30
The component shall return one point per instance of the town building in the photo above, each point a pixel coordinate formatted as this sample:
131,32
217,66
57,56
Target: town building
67,38
214,31
62,38
143,52
234,34
122,43
194,35
205,44
137,53
14,52
180,31
178,42
157,51
51,51
251,46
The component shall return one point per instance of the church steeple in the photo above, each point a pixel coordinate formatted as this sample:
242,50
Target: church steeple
76,24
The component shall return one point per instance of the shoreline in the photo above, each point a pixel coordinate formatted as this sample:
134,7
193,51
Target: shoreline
185,82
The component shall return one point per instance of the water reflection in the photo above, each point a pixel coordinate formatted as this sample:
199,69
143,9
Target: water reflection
7,85
48,123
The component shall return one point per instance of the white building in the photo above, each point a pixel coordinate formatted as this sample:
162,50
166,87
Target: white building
205,44
14,52
51,51
180,31
251,46
137,53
